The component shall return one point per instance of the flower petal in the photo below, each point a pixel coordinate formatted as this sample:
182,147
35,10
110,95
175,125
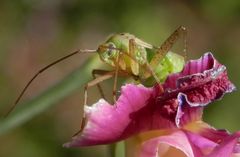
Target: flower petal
226,148
189,143
133,113
200,143
213,134
170,144
201,82
214,142
205,63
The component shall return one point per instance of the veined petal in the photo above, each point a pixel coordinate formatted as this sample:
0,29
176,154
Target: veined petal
192,67
133,145
175,144
134,112
212,136
182,143
227,147
201,82
215,143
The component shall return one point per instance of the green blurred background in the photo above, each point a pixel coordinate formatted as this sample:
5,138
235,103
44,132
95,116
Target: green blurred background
34,33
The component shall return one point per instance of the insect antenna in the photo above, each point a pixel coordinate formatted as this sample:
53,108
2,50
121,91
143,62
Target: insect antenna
42,70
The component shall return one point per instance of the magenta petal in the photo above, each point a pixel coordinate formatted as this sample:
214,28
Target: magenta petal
178,140
193,67
201,82
187,113
200,142
133,113
106,123
214,135
227,147
215,143
190,144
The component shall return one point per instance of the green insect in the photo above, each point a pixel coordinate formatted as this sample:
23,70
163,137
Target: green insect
130,57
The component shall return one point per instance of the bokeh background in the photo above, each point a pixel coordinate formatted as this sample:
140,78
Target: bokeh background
35,33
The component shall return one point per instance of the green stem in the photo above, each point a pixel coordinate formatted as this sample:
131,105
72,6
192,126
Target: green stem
112,148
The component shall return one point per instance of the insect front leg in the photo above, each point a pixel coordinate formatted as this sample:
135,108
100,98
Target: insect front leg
168,44
115,80
99,72
96,81
104,76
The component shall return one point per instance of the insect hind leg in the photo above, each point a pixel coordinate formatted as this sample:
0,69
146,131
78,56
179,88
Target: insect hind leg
168,44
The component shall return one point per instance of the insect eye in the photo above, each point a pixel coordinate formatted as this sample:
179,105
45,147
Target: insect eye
109,52
111,49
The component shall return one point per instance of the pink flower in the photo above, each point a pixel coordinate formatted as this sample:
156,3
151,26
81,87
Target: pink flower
165,124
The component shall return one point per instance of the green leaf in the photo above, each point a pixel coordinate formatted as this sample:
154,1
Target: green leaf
50,97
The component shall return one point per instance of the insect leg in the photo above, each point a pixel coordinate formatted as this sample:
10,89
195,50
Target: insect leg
99,72
168,44
132,45
115,80
105,75
97,80
117,72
